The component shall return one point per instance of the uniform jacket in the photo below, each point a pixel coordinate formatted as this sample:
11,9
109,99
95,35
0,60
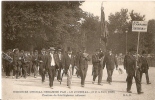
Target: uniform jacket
43,58
130,64
83,63
110,61
143,64
95,61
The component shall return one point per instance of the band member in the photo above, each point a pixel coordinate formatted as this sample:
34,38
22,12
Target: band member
51,66
84,58
42,59
21,63
7,64
110,61
97,67
30,64
132,71
100,69
35,63
16,63
25,64
68,63
77,62
60,67
143,63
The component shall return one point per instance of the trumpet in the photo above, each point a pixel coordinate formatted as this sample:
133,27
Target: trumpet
7,57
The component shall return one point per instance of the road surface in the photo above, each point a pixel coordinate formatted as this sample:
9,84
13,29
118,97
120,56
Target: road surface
32,88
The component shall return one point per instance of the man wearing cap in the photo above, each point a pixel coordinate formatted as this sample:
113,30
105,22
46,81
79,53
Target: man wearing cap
143,64
42,59
83,64
7,64
96,66
35,62
60,67
51,66
132,71
25,64
16,63
110,61
68,63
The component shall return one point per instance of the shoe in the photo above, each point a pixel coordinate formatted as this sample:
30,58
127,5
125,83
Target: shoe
140,92
13,77
93,82
6,76
100,84
82,85
129,91
35,77
51,87
148,83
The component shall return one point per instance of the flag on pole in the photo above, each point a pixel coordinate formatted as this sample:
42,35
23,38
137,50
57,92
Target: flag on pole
104,32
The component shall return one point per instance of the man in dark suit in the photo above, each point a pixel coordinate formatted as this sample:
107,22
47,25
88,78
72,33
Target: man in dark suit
110,61
42,58
132,71
143,63
51,66
60,67
68,63
83,64
35,63
25,64
16,63
77,62
7,64
96,63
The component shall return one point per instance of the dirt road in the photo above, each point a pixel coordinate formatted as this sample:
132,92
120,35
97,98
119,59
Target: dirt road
32,88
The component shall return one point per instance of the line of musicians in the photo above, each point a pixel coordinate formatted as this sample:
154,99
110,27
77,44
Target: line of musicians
53,61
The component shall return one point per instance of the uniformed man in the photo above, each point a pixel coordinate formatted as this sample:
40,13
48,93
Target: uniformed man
83,64
42,64
25,64
132,71
60,67
16,63
35,62
110,61
143,63
96,65
7,64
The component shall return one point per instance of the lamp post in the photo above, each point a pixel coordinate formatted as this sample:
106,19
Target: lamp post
126,48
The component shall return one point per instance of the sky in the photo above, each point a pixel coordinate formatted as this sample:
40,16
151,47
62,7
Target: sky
146,8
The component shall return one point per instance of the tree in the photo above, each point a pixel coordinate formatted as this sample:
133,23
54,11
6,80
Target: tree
34,25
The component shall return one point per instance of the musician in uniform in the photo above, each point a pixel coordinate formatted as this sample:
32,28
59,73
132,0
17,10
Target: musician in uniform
132,71
42,58
16,63
25,64
7,64
143,63
35,63
60,67
83,64
30,64
97,67
110,61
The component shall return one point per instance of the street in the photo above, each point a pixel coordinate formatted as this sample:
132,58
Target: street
32,88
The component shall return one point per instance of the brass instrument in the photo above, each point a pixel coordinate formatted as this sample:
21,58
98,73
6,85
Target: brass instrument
7,57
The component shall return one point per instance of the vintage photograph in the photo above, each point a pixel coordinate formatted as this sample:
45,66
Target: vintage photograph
78,50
